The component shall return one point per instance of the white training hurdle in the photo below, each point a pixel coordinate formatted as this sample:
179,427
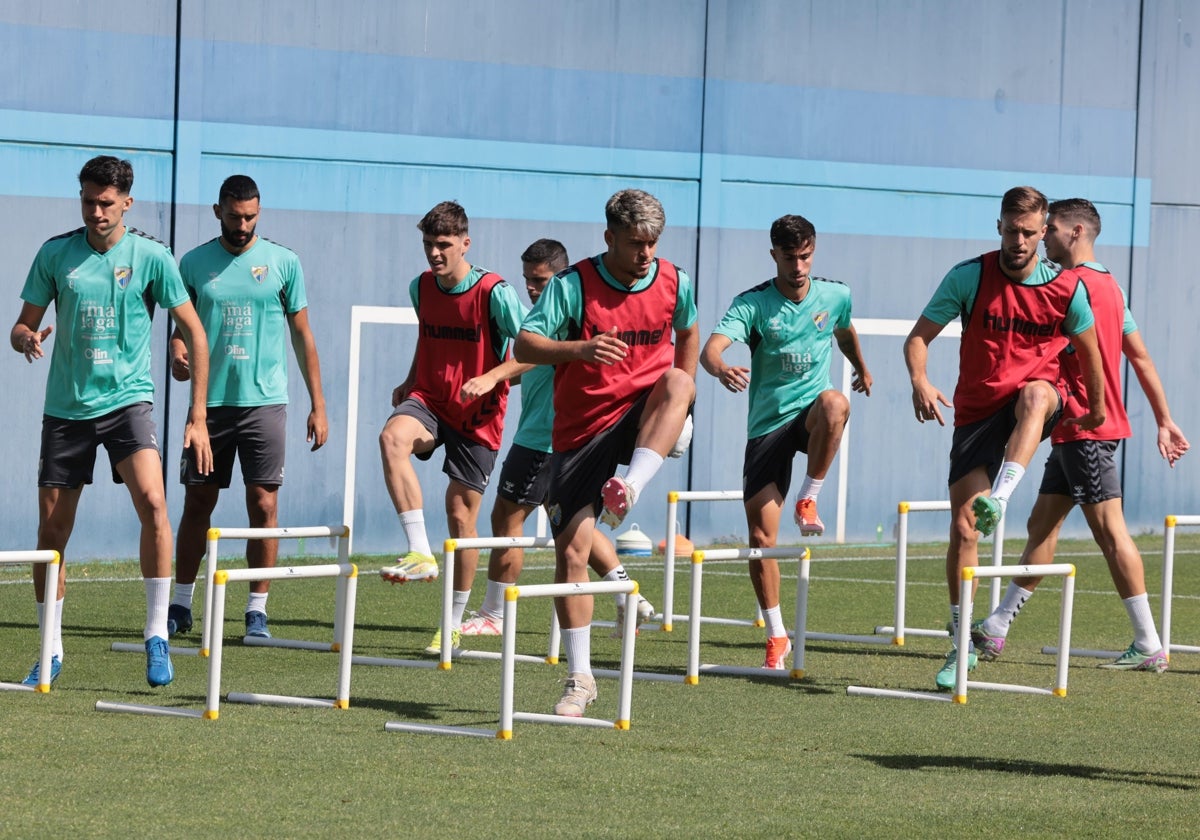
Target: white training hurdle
337,533
674,497
897,630
449,551
1168,575
961,683
694,668
508,659
347,588
53,563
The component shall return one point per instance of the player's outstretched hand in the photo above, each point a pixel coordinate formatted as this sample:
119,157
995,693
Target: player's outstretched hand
1171,443
32,346
476,387
735,378
925,403
1094,419
195,438
318,428
605,349
180,369
862,382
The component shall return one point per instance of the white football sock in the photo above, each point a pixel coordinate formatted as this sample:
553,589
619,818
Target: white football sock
414,531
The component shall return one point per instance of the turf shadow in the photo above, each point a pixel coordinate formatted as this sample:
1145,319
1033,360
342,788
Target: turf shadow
1023,767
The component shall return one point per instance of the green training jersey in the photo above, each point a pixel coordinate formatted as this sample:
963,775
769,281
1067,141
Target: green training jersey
243,302
100,360
537,409
790,347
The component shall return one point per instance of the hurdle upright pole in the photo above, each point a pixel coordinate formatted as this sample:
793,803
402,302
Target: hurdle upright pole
52,560
674,497
450,549
1169,582
902,510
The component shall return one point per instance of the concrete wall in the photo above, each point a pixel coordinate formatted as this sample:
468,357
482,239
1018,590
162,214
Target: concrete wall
894,126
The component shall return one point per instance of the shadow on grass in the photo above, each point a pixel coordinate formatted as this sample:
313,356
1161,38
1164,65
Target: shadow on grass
1176,781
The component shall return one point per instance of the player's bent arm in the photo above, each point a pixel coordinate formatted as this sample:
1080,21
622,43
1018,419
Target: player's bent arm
309,362
916,357
25,337
1172,443
848,343
1088,350
711,357
195,434
400,392
187,322
1147,374
687,349
534,349
482,385
179,356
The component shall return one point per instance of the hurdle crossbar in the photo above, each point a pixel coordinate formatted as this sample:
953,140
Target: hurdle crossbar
344,642
963,640
53,562
508,660
674,497
897,630
802,554
339,533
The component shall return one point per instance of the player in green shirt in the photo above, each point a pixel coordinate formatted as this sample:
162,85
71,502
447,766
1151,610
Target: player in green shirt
787,322
250,295
104,280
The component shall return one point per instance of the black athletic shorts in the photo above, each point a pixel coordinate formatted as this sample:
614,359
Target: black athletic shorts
769,457
69,446
577,476
981,444
524,476
1085,470
467,461
255,434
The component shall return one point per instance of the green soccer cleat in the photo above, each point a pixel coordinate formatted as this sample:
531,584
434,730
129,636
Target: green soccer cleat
1134,660
988,513
949,673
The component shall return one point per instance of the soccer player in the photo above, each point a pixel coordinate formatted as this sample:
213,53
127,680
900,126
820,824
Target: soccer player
525,474
455,394
1081,468
621,395
104,280
787,321
249,293
1018,312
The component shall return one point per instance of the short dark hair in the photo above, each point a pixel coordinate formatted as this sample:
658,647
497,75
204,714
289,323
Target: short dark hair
1022,200
108,171
446,219
550,252
1078,210
792,232
238,188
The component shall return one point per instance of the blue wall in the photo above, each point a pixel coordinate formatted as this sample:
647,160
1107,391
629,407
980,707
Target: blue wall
895,127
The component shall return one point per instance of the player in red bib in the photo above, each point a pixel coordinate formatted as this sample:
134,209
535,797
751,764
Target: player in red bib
455,395
1081,468
621,395
1018,313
